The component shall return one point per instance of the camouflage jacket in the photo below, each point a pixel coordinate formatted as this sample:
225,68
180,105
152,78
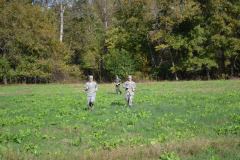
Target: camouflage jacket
90,87
129,87
117,82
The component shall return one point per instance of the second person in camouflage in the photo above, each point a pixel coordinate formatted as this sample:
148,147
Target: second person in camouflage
130,87
117,83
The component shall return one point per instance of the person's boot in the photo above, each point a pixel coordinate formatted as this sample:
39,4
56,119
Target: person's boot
90,106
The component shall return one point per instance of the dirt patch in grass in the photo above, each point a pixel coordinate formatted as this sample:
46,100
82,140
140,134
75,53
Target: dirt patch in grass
3,106
141,152
201,90
24,92
186,149
11,93
194,147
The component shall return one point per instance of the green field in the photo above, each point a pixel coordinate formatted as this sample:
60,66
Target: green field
169,120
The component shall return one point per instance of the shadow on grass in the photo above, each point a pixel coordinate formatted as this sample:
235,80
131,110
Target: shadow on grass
85,109
117,103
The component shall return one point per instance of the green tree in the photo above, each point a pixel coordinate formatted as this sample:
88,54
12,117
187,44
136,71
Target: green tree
128,32
27,36
119,63
4,69
167,32
223,24
84,34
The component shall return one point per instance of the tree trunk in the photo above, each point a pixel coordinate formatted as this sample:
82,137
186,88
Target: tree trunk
223,65
5,79
61,16
208,75
100,69
24,80
175,73
232,67
105,15
151,53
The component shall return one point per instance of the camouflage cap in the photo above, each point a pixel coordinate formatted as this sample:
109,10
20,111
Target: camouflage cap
91,77
129,77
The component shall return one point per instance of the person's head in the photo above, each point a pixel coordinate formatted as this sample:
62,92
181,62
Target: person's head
130,78
90,78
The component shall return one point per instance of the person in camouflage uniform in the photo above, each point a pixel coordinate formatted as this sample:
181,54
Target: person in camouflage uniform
91,87
130,87
117,84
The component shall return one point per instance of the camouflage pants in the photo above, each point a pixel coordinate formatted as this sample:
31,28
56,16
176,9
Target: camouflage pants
129,98
118,89
90,100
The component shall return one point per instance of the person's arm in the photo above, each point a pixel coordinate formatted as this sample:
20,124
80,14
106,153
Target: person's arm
86,87
125,85
134,87
96,87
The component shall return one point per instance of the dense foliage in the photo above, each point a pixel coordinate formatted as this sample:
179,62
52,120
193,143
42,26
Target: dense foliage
151,39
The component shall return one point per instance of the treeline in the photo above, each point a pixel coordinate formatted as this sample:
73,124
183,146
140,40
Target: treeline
44,41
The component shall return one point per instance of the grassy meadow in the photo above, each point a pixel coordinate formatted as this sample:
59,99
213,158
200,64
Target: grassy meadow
191,120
